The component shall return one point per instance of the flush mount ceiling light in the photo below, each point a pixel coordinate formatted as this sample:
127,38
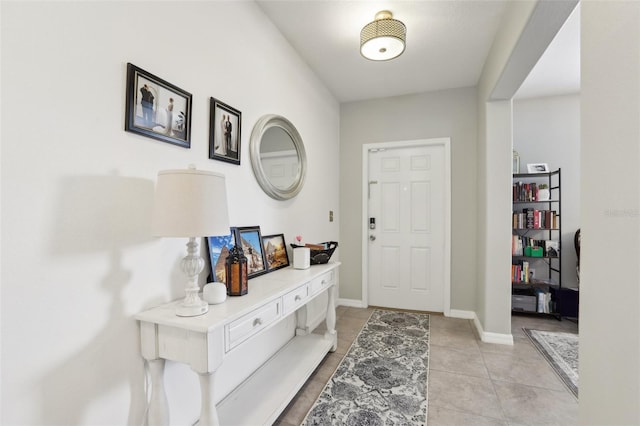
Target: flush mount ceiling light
384,38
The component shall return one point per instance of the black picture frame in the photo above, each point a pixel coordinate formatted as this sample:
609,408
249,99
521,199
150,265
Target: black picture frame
156,108
218,247
538,168
225,130
275,252
249,239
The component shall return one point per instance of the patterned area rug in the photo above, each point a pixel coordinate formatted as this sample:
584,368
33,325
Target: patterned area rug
561,351
382,380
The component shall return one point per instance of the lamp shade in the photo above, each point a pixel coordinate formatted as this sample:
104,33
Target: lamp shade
190,203
384,38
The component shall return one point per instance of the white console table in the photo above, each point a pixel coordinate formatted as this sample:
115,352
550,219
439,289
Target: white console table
204,341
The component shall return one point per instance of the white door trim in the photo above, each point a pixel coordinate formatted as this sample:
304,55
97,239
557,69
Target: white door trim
446,144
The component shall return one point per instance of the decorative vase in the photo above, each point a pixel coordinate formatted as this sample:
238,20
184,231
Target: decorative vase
544,194
301,258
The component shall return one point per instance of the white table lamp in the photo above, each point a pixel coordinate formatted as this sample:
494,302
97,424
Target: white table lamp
190,204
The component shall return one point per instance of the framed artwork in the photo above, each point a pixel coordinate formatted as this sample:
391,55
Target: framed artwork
537,168
225,124
156,108
250,240
275,252
219,247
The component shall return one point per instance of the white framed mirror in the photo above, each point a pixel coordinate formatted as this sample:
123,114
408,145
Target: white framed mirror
278,158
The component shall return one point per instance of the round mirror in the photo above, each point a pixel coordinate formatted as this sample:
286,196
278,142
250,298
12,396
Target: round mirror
277,156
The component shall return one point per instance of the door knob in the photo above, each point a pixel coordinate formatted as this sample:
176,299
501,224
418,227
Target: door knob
372,237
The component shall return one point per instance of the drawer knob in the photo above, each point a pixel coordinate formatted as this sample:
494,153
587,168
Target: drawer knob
297,298
257,322
324,282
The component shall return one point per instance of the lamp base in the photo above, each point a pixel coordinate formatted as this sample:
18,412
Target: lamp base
199,307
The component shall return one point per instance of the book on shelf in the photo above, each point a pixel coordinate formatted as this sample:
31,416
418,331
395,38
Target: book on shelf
525,192
528,192
520,272
530,218
522,245
544,301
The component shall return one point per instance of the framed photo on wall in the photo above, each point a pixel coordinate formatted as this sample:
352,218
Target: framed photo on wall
225,125
275,252
250,239
156,108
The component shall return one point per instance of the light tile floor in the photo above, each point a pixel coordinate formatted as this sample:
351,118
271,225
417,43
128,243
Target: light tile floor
470,382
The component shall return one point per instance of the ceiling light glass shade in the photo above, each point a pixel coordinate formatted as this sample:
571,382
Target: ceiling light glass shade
384,38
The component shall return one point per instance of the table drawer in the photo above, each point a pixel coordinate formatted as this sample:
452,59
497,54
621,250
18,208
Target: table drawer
322,282
246,326
294,299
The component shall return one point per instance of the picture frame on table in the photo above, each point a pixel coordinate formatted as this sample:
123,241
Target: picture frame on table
249,239
225,128
275,252
219,247
156,108
537,168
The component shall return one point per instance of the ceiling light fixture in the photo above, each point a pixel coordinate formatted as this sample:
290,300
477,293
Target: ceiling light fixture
384,38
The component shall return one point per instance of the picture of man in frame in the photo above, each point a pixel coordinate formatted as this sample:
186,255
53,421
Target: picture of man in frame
147,105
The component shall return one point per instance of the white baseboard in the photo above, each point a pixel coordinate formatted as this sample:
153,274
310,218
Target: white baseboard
485,336
456,313
351,303
489,337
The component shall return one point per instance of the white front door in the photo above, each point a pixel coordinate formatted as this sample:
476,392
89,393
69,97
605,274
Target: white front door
406,253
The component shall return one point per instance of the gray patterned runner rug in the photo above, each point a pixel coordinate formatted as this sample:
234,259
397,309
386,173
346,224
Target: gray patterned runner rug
382,380
561,351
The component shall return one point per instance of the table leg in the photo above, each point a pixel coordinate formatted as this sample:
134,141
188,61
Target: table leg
208,412
301,321
331,319
158,405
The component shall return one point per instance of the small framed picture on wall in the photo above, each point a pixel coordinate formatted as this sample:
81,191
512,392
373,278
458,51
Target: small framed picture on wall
156,108
225,125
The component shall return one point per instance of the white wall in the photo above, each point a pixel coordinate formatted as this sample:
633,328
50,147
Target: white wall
610,252
447,113
528,28
493,178
77,256
547,130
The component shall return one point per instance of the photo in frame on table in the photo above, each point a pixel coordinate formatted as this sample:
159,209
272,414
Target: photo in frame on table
156,108
249,239
225,125
275,252
219,247
537,168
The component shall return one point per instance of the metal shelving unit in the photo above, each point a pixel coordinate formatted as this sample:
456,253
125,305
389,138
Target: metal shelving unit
552,281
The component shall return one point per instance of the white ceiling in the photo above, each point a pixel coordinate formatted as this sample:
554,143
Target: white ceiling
447,44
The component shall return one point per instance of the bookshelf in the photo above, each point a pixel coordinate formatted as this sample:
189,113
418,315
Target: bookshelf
536,267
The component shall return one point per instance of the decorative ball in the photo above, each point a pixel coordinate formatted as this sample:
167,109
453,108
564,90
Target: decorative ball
214,293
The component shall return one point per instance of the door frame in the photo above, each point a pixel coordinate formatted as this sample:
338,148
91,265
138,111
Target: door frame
446,144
